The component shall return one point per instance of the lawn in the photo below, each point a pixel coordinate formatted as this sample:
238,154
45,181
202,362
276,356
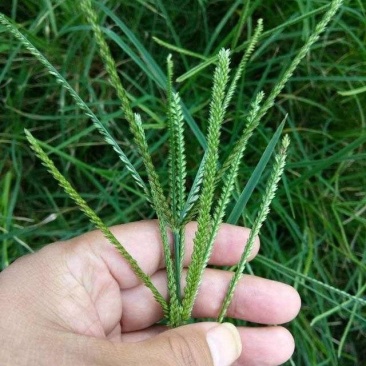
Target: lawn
315,236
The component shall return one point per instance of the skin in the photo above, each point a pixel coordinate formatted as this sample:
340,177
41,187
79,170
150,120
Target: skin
78,303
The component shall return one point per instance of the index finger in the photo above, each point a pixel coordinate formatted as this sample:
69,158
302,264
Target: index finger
142,240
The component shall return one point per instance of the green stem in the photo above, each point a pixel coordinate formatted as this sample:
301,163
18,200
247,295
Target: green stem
177,260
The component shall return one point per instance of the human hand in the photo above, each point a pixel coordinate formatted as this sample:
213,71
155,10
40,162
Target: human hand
78,303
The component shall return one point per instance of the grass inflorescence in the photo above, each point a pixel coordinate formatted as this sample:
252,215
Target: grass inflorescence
312,240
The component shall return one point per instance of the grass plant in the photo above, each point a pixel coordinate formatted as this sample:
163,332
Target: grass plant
317,217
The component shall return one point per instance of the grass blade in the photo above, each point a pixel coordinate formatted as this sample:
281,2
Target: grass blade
88,112
254,178
48,163
156,72
261,216
229,179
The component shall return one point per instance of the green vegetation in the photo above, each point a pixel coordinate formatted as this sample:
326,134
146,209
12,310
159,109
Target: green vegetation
315,236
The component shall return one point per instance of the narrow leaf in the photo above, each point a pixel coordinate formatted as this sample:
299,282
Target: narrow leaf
255,177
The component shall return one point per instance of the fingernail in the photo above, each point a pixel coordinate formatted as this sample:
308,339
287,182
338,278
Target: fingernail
224,343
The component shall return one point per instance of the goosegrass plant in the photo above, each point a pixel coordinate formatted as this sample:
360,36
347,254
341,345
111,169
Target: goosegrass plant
214,178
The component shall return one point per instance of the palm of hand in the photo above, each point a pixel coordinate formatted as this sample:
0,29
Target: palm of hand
83,287
91,302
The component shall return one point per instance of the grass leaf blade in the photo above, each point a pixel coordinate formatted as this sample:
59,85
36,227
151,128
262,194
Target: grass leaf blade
254,178
262,214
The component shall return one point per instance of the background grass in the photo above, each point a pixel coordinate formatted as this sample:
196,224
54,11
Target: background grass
315,237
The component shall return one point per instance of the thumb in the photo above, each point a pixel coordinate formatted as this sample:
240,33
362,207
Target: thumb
196,344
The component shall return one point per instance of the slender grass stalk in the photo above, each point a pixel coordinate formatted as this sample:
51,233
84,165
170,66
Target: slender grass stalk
269,102
109,63
172,158
174,315
243,62
229,179
177,173
78,100
163,225
319,29
217,112
158,199
231,90
48,163
267,198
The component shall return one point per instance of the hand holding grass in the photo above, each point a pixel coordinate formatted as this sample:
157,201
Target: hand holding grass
78,302
97,293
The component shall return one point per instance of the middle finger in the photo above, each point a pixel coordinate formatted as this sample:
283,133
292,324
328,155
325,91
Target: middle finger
255,299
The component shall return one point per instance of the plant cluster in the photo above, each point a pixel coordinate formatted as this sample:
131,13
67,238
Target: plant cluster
206,201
